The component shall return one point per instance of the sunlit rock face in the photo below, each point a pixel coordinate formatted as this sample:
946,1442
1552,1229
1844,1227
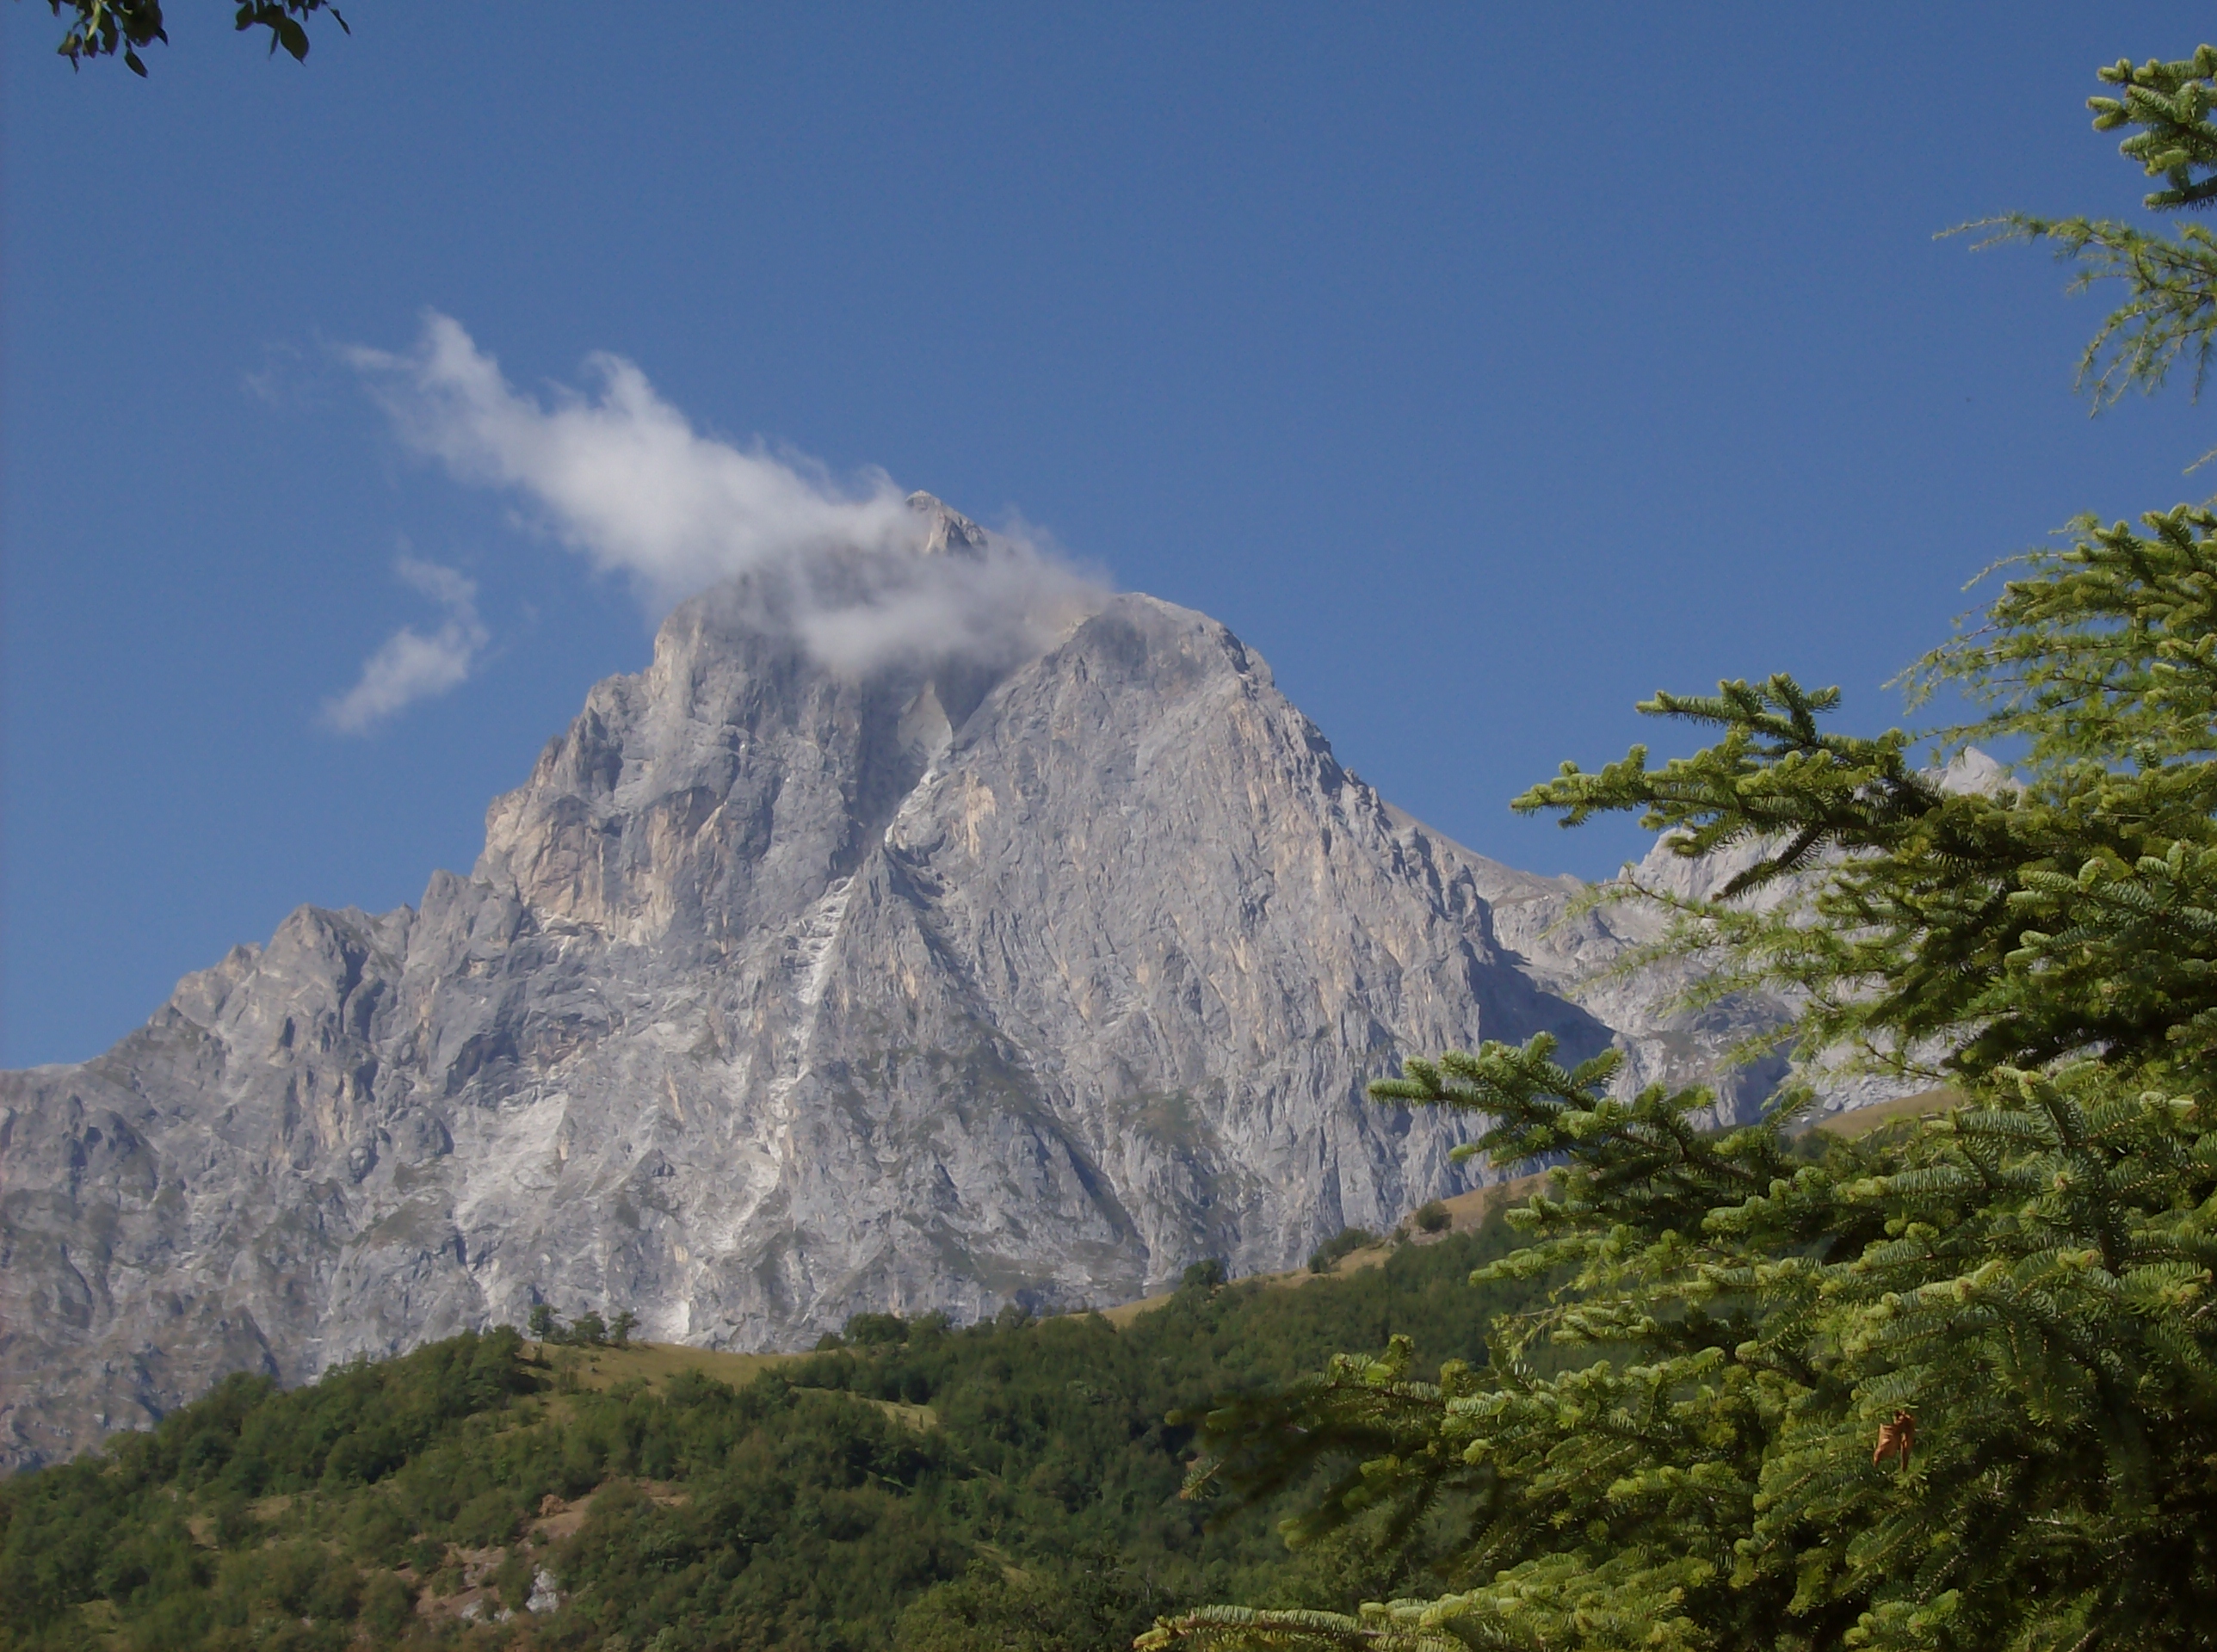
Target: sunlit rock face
781,992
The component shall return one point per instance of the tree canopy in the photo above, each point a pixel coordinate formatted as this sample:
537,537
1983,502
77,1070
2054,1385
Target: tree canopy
106,28
1949,1385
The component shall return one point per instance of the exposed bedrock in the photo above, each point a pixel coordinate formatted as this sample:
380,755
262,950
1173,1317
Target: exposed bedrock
779,994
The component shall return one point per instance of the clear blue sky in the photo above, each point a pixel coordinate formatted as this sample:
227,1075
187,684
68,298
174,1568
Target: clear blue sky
1486,367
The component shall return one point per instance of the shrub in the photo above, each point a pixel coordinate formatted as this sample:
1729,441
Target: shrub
876,1330
1345,1242
1204,1275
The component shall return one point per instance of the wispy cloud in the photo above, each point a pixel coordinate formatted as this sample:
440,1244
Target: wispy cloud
622,477
410,665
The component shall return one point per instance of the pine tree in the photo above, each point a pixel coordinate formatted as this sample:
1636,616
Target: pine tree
1952,1385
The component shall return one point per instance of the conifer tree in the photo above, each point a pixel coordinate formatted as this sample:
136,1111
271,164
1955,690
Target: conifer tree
1949,1385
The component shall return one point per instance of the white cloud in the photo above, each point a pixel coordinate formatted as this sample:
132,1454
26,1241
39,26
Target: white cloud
621,476
409,665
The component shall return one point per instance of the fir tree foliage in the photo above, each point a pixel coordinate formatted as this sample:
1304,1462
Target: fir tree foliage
2170,308
1951,1384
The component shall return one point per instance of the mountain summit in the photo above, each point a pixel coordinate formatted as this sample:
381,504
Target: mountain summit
783,990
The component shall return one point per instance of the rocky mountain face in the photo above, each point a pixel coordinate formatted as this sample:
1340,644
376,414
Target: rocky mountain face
781,992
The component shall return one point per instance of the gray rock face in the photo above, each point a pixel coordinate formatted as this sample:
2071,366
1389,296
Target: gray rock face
779,994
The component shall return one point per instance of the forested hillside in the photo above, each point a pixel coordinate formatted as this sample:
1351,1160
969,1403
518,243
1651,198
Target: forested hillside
1014,1483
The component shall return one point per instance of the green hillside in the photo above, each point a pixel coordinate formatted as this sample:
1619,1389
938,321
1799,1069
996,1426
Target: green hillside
1012,1484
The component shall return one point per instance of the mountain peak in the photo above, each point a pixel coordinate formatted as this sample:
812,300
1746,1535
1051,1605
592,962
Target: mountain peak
951,534
784,992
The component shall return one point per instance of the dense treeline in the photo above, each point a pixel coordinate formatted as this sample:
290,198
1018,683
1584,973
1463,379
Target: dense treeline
1012,1484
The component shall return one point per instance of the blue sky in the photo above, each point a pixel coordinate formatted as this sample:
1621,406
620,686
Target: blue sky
1485,368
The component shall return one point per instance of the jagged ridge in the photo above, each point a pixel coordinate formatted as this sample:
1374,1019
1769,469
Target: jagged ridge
780,993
